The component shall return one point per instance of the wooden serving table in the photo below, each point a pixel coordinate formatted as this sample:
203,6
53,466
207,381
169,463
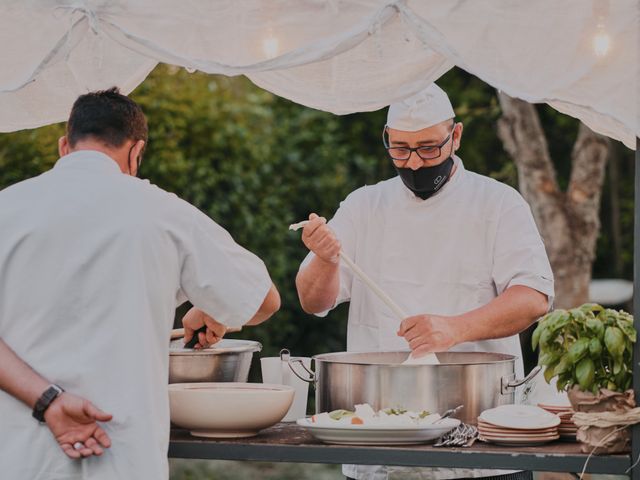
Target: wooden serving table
287,442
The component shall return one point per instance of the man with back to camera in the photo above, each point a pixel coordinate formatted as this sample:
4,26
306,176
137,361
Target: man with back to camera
458,251
93,264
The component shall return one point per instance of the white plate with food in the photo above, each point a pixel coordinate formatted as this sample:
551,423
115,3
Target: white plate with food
385,427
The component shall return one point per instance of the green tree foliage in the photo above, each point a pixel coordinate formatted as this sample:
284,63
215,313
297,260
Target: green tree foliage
255,163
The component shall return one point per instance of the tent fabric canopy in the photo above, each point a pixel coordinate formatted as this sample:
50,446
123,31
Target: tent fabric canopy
580,56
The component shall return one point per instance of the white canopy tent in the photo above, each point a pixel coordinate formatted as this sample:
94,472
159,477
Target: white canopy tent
580,56
343,56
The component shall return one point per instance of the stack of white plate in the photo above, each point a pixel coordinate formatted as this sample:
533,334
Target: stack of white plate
518,425
567,428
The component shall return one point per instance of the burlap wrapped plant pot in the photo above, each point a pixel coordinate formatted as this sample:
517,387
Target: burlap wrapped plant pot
590,349
602,418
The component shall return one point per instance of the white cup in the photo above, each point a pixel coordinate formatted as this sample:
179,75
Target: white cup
277,371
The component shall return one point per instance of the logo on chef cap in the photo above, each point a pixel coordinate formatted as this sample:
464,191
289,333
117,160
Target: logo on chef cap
422,110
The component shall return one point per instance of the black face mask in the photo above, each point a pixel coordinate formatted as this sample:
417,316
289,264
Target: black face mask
426,181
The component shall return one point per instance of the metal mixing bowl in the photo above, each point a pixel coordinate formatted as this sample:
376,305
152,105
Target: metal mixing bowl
226,361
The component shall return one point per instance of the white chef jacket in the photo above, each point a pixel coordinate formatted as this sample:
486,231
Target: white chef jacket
446,255
92,266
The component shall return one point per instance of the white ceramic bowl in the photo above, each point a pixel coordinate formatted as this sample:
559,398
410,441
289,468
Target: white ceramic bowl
227,409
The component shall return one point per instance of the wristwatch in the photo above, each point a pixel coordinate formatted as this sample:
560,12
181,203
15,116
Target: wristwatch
50,394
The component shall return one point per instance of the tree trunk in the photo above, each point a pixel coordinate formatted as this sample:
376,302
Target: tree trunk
568,221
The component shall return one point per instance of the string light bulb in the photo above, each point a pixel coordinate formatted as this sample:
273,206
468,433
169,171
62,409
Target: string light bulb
601,41
270,45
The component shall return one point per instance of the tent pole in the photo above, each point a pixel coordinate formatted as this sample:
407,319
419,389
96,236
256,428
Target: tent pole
635,436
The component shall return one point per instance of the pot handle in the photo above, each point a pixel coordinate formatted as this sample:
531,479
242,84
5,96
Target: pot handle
285,356
508,386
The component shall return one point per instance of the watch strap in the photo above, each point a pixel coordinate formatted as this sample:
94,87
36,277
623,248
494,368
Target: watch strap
49,395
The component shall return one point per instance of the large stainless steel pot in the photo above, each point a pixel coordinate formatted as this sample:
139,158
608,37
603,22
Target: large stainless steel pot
476,380
226,361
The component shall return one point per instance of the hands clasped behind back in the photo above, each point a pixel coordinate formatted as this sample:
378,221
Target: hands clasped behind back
321,240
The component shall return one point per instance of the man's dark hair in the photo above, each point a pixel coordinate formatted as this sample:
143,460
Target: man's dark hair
107,116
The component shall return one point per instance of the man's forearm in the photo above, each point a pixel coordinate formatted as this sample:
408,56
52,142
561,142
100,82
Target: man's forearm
270,305
508,314
18,379
318,284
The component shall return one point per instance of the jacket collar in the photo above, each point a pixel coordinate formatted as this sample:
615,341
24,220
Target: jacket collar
89,160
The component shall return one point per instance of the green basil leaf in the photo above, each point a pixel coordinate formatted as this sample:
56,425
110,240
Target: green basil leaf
549,372
596,326
548,357
546,337
563,365
578,315
609,317
591,307
585,373
621,379
614,341
627,329
564,380
595,348
617,367
536,336
578,349
561,320
552,316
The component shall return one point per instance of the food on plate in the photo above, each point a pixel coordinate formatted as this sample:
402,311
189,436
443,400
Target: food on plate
340,414
365,415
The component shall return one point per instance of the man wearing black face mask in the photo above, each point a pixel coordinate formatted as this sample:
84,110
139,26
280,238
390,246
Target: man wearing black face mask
458,251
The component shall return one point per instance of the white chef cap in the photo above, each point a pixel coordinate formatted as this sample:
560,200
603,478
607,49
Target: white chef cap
424,109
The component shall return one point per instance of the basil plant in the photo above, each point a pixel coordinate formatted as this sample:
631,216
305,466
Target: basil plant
589,346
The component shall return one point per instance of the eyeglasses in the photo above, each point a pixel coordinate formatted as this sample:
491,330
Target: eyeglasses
426,152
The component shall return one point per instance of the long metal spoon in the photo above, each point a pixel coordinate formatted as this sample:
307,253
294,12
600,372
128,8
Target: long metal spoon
395,308
428,359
